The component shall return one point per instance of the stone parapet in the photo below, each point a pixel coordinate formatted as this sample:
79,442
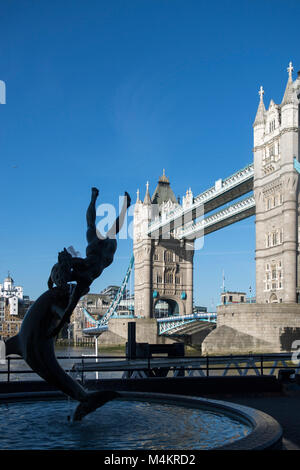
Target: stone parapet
254,328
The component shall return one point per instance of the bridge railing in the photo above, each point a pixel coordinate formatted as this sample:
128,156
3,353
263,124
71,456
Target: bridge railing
223,214
111,311
168,324
194,316
120,366
204,366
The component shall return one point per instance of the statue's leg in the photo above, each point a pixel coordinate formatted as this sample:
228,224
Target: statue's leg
117,225
91,217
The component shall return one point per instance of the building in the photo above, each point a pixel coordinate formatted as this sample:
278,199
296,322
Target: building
229,297
276,192
163,270
11,292
96,305
111,292
13,307
272,324
199,309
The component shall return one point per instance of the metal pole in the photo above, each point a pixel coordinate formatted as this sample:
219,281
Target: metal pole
96,354
131,341
8,369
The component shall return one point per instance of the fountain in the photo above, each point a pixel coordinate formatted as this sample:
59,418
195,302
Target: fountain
129,420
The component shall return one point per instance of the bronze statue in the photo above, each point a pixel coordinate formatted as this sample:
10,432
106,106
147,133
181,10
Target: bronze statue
48,314
99,255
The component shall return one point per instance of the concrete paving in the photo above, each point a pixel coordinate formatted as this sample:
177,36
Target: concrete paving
284,408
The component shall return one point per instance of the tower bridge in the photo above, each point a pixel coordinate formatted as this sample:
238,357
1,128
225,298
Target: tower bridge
165,231
218,195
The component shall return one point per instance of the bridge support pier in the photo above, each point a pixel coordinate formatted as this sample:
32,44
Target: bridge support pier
254,328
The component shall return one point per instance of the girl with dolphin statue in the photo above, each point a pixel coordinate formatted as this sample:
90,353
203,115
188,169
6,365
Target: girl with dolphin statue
53,309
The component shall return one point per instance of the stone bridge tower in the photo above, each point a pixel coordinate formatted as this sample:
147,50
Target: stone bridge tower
276,192
163,266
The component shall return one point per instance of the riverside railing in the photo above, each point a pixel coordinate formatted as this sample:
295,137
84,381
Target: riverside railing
162,366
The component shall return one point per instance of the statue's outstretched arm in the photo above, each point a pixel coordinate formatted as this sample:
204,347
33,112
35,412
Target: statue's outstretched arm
116,227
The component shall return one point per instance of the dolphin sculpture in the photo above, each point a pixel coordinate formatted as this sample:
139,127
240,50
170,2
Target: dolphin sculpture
53,309
36,346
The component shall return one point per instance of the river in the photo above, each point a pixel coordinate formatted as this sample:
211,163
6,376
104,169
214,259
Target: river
20,371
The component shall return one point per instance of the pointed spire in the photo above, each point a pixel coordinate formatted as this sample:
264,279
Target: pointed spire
138,195
290,71
163,178
288,96
147,199
261,110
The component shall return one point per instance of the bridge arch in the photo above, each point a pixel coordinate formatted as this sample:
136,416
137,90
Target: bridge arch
174,306
273,298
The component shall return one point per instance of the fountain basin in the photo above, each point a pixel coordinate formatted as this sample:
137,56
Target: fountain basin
137,421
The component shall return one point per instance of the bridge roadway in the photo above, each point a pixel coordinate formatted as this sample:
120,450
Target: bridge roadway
229,215
179,325
185,324
224,191
189,329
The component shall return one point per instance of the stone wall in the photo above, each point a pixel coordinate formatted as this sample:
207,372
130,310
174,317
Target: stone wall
254,328
146,331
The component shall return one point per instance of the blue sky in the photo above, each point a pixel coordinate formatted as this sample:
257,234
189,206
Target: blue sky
108,93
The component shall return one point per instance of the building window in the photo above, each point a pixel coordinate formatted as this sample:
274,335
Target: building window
169,256
272,125
281,236
274,238
169,278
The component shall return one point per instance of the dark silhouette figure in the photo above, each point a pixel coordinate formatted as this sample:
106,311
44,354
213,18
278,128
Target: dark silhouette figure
45,318
36,347
99,255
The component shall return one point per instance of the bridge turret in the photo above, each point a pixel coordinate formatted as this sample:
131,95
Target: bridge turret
289,105
260,120
188,199
163,265
276,197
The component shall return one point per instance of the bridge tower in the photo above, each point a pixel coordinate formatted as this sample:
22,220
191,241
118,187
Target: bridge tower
276,192
163,268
